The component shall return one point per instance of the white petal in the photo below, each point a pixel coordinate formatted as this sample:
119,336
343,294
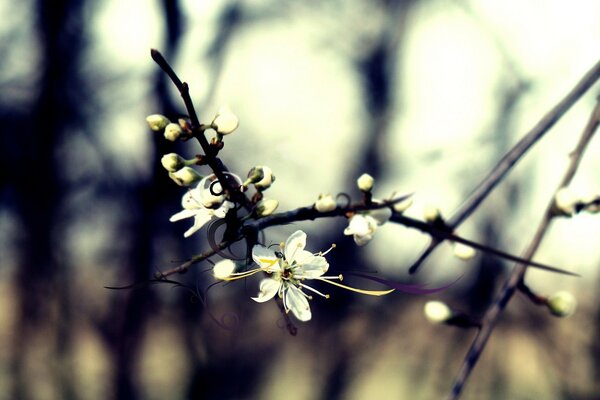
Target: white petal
191,200
361,240
182,215
358,225
313,268
199,221
267,290
381,215
295,301
296,241
221,211
265,258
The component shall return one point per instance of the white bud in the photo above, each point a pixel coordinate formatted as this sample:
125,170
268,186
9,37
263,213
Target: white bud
173,131
225,121
267,178
325,203
223,269
562,303
403,205
186,176
172,162
437,312
431,213
365,182
266,207
591,204
463,251
157,122
565,201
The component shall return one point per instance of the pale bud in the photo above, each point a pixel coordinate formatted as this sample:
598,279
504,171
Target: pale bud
225,121
463,251
403,205
325,203
223,269
261,176
157,122
365,182
437,312
431,214
562,303
266,207
172,162
173,132
565,201
186,176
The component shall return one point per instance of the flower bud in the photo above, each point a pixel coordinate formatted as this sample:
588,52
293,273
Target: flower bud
325,203
172,162
157,122
173,131
186,176
437,312
261,176
403,205
225,121
562,303
266,207
463,251
365,182
223,269
431,214
564,201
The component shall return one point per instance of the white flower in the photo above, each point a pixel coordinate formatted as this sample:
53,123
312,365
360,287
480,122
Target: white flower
225,121
362,226
193,203
157,122
224,269
365,182
562,303
266,207
463,251
288,270
172,132
437,312
325,203
185,176
172,162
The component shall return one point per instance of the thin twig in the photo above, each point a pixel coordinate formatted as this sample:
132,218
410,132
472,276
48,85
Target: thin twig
512,284
441,233
214,162
513,156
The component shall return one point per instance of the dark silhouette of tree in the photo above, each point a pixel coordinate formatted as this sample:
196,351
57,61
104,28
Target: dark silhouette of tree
42,286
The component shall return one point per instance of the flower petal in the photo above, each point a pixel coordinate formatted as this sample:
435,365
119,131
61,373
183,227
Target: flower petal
182,215
267,290
199,220
312,268
358,225
295,301
265,258
191,200
361,240
381,215
296,242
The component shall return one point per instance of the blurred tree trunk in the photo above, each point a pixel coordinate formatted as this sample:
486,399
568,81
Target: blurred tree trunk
43,294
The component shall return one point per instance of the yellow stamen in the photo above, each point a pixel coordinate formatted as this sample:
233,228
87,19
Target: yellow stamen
362,291
240,275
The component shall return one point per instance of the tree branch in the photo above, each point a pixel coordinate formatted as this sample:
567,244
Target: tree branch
511,285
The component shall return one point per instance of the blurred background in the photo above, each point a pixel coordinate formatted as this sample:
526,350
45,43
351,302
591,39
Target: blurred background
424,95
